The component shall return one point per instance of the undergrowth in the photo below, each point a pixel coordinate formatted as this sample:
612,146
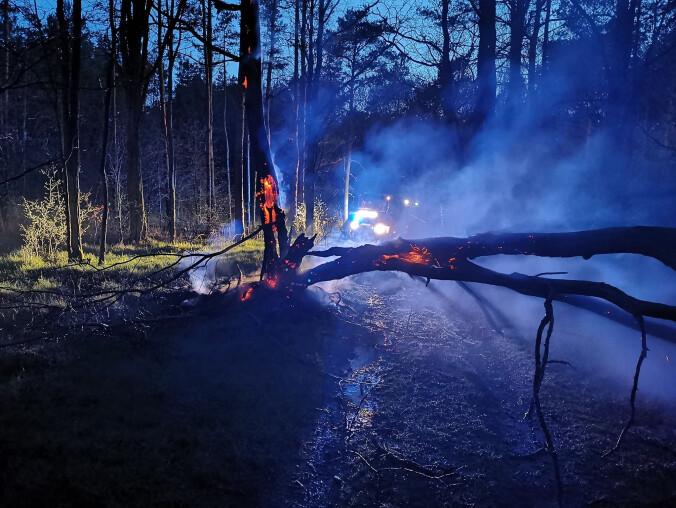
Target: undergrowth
123,262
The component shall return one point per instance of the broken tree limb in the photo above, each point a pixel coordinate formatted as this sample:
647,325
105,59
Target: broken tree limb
449,259
655,242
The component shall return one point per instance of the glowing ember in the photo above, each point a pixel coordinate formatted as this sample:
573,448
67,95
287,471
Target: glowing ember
245,83
247,295
418,255
268,197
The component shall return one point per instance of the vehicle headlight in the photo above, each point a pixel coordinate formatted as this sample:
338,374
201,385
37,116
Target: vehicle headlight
381,229
365,214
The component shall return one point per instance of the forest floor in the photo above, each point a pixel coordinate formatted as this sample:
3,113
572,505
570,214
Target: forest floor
377,391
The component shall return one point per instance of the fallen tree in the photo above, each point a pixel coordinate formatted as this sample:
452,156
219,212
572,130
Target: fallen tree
429,259
452,259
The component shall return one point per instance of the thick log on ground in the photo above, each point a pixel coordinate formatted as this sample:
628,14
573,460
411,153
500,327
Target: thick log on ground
449,259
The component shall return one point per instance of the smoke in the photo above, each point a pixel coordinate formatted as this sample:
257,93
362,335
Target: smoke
520,178
544,165
210,273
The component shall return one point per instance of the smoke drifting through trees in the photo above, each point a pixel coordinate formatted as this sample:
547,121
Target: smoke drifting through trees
569,105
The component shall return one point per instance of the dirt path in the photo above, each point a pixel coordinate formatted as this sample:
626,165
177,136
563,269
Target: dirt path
390,397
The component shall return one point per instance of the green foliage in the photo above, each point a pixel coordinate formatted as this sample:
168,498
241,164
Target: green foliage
324,222
299,219
45,232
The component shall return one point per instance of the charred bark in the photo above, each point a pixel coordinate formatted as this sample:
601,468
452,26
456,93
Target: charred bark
271,216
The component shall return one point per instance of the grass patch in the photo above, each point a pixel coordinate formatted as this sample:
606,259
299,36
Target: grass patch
123,262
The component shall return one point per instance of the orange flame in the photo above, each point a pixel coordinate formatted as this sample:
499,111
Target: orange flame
247,295
245,83
418,255
269,199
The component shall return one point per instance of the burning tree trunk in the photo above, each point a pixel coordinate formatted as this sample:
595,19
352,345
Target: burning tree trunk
272,217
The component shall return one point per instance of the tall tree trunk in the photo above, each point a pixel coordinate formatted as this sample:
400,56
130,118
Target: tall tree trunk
110,78
445,76
486,80
533,47
6,36
4,95
312,119
348,170
116,165
517,28
70,70
620,90
166,110
137,216
295,187
545,37
134,35
238,165
272,217
302,137
228,176
208,74
272,29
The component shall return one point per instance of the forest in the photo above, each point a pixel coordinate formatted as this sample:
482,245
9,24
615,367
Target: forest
312,252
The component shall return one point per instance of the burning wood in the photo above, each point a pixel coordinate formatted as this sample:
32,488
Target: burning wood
268,201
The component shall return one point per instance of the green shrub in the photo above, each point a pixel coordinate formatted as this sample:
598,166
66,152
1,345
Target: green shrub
45,232
324,222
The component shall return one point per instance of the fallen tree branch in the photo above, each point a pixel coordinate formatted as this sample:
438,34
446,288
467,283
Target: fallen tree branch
386,258
655,242
634,389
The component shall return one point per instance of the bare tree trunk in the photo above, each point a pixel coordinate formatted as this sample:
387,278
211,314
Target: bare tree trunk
70,67
4,98
225,134
486,62
238,165
302,134
116,167
517,27
348,169
272,28
545,37
533,46
296,80
445,76
166,107
137,215
208,74
134,35
110,77
312,159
